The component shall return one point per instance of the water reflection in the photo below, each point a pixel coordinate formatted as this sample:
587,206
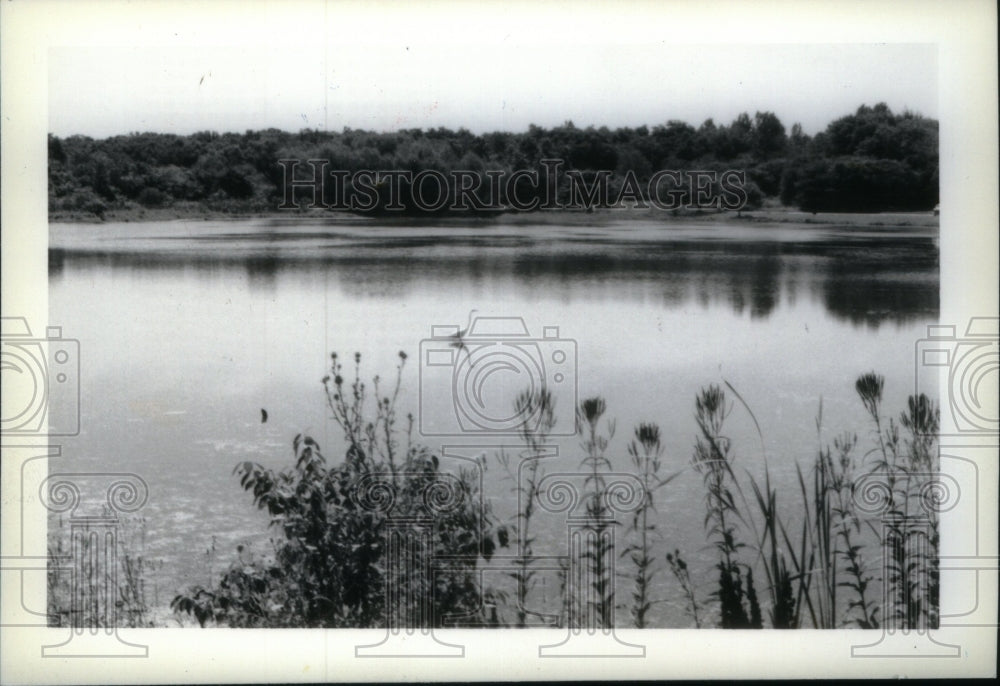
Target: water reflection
262,273
865,281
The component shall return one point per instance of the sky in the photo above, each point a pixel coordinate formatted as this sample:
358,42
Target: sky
487,79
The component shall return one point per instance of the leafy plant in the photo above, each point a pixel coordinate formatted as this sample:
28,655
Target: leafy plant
331,566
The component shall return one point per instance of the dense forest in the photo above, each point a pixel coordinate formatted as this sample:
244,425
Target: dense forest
869,161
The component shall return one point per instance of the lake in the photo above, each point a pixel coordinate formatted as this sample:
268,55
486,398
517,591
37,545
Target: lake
187,329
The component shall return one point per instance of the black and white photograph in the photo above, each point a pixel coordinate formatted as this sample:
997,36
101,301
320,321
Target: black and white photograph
497,334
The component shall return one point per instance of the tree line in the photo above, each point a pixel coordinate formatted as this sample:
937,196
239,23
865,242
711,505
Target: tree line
872,160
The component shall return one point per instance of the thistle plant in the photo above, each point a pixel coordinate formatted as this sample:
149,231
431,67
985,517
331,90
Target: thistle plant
600,606
328,567
848,531
712,459
911,580
832,550
869,388
831,545
646,452
535,433
922,422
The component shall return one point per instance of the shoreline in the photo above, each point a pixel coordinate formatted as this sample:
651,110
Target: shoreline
771,215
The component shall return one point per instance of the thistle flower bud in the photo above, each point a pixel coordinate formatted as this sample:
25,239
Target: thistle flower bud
649,436
592,409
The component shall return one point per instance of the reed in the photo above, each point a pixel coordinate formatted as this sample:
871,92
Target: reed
784,611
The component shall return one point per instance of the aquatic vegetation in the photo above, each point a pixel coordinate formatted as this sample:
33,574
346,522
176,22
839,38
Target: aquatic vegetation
336,558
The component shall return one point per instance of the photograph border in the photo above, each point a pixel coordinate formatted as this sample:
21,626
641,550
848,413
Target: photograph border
965,33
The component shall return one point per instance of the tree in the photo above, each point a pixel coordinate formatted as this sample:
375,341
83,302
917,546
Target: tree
768,135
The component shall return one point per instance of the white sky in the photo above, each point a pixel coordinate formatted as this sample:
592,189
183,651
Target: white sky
484,77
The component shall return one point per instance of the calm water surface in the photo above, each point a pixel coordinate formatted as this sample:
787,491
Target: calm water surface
188,329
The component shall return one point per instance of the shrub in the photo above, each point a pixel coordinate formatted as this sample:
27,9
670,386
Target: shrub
331,566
